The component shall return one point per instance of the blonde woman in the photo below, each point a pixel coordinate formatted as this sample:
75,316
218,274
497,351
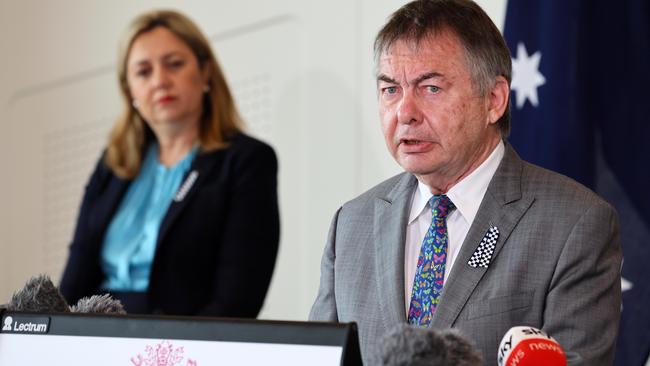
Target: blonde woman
180,216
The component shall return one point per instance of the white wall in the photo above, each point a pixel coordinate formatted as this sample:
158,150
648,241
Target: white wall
302,72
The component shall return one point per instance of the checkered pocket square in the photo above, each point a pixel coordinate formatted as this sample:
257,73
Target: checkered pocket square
483,254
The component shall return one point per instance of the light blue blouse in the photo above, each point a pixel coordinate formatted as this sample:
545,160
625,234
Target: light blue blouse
130,241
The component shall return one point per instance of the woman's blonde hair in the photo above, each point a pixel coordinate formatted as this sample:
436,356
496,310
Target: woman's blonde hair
220,119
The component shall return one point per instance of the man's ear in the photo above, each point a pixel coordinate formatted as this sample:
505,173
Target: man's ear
497,99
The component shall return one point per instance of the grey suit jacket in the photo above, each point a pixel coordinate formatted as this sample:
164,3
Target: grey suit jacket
556,265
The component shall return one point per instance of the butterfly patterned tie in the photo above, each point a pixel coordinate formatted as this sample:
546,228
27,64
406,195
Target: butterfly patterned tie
430,272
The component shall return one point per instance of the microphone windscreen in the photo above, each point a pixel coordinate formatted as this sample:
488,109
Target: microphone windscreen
529,346
39,295
412,346
99,304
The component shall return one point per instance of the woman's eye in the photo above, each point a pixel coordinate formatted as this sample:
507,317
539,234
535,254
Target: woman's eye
142,72
176,63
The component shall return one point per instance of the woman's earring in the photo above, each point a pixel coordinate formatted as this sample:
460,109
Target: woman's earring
206,88
135,104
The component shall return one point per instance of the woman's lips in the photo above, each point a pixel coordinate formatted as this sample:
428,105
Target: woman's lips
166,100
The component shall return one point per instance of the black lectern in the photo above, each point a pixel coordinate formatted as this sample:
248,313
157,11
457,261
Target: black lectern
84,339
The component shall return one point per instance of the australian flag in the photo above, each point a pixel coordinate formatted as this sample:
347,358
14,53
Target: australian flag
581,106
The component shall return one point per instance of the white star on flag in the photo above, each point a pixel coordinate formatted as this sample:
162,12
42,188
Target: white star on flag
526,77
625,284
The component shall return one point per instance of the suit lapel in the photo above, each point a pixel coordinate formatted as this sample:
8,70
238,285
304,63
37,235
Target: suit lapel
390,220
502,206
191,183
106,205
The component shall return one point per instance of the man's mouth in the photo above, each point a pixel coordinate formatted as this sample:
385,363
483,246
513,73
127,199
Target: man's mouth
414,146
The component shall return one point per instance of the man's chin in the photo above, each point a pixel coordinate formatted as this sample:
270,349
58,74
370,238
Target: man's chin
417,166
421,172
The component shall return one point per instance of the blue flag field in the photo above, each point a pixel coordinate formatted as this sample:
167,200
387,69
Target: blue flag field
581,106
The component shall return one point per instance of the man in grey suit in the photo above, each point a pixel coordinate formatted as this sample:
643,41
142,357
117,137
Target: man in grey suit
470,236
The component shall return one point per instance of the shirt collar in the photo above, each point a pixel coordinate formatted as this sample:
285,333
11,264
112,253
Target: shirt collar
420,199
467,194
182,165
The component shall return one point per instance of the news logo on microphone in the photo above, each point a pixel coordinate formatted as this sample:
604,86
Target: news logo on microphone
528,346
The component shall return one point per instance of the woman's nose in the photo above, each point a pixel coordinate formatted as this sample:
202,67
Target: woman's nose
161,78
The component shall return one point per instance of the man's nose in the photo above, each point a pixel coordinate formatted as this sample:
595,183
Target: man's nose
408,110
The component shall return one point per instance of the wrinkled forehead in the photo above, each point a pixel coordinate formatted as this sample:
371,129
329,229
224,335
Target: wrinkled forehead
443,46
413,37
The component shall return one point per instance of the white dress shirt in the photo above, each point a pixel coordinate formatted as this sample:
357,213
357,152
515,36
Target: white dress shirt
467,196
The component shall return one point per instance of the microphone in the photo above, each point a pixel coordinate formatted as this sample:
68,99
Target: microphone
39,295
99,304
408,345
528,346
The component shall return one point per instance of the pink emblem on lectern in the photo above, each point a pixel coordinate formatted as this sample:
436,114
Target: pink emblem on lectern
164,354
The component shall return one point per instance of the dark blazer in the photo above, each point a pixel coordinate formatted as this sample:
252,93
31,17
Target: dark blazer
217,243
556,265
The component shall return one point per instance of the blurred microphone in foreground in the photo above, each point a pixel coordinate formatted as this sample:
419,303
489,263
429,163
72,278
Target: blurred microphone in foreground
98,304
528,346
40,295
411,346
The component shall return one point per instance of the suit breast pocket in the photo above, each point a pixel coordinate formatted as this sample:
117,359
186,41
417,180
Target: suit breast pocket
499,305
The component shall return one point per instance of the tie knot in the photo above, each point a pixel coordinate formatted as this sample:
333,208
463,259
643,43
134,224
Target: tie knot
441,206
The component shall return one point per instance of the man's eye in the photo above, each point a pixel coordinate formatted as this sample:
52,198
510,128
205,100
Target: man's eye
390,90
432,89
